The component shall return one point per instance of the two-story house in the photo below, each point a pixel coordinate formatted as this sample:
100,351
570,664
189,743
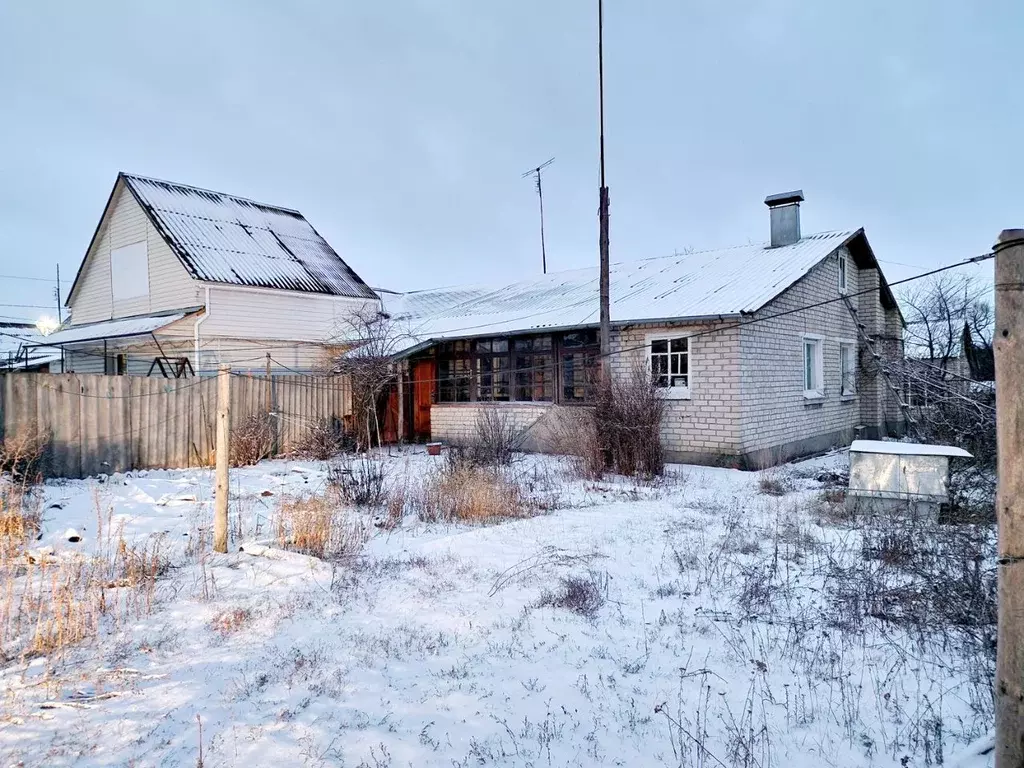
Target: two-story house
178,280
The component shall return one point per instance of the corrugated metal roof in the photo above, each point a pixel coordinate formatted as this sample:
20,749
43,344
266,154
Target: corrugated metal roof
713,283
227,239
111,329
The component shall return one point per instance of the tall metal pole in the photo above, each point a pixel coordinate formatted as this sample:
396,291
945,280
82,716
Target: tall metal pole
603,203
1008,341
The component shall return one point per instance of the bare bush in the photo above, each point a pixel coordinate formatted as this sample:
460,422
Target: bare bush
775,482
24,456
628,424
471,493
323,439
252,440
319,526
361,482
580,594
496,438
576,436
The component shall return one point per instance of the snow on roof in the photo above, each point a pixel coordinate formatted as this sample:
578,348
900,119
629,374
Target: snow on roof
724,282
907,449
227,239
111,329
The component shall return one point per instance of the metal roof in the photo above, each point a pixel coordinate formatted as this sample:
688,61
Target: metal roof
714,283
226,239
110,329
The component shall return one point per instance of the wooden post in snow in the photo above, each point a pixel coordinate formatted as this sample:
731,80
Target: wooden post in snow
1009,359
220,510
400,368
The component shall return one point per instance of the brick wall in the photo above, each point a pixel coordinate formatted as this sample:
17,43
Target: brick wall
776,417
456,423
708,424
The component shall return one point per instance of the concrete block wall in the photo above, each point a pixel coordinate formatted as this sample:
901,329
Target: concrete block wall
778,422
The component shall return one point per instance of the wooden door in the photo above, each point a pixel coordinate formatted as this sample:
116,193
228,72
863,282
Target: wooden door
423,373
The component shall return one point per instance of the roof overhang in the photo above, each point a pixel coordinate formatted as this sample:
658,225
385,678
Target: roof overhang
106,330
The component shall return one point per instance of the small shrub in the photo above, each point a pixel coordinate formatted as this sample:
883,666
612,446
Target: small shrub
581,594
324,439
471,494
496,438
228,622
319,527
362,483
775,482
576,437
252,440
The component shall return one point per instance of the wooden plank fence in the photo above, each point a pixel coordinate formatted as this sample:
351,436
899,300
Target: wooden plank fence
102,424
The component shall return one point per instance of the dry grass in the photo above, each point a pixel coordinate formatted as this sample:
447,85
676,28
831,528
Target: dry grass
319,526
229,622
775,482
49,603
473,494
24,456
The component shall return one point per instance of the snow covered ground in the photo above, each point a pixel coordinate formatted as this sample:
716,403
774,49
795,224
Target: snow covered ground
720,636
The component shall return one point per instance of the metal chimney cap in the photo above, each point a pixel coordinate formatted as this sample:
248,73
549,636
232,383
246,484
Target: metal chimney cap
784,198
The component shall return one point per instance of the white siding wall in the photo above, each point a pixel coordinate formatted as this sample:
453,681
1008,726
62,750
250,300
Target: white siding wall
236,312
170,286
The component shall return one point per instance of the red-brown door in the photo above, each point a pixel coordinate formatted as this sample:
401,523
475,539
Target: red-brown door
422,375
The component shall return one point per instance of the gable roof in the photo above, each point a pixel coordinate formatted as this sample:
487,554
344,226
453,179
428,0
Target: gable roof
222,238
714,283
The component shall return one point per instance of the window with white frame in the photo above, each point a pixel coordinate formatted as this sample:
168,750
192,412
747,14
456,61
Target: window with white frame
670,364
847,368
813,384
843,268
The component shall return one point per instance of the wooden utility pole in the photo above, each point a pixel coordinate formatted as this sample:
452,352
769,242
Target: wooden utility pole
220,510
1009,358
602,212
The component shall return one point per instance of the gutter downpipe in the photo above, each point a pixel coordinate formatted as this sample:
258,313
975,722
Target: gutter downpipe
195,330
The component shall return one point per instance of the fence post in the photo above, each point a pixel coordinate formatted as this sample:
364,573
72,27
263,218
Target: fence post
220,512
1009,360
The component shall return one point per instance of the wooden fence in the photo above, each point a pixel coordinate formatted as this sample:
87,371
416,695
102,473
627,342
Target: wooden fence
102,424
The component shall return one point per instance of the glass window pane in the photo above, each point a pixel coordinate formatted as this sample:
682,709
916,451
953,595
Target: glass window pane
500,345
659,346
523,344
680,345
483,345
542,343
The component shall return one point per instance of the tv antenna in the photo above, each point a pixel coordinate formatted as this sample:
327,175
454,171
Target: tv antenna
536,172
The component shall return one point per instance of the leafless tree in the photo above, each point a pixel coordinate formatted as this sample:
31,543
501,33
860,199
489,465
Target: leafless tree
363,349
937,312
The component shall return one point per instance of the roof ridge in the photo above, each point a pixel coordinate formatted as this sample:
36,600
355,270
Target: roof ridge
153,179
496,286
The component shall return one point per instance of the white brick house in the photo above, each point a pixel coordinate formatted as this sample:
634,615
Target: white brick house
756,351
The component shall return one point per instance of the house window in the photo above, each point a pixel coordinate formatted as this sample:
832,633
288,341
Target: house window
492,374
534,369
670,365
813,386
848,368
843,267
578,366
129,272
454,372
115,365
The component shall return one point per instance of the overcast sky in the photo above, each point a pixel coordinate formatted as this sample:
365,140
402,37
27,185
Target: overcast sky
400,129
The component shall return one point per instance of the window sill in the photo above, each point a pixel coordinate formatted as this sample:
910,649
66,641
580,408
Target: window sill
813,396
850,398
673,393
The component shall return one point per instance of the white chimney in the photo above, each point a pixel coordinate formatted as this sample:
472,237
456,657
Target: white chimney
785,214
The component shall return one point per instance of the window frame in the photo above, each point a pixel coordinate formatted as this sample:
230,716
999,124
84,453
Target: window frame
818,342
848,346
844,273
672,391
